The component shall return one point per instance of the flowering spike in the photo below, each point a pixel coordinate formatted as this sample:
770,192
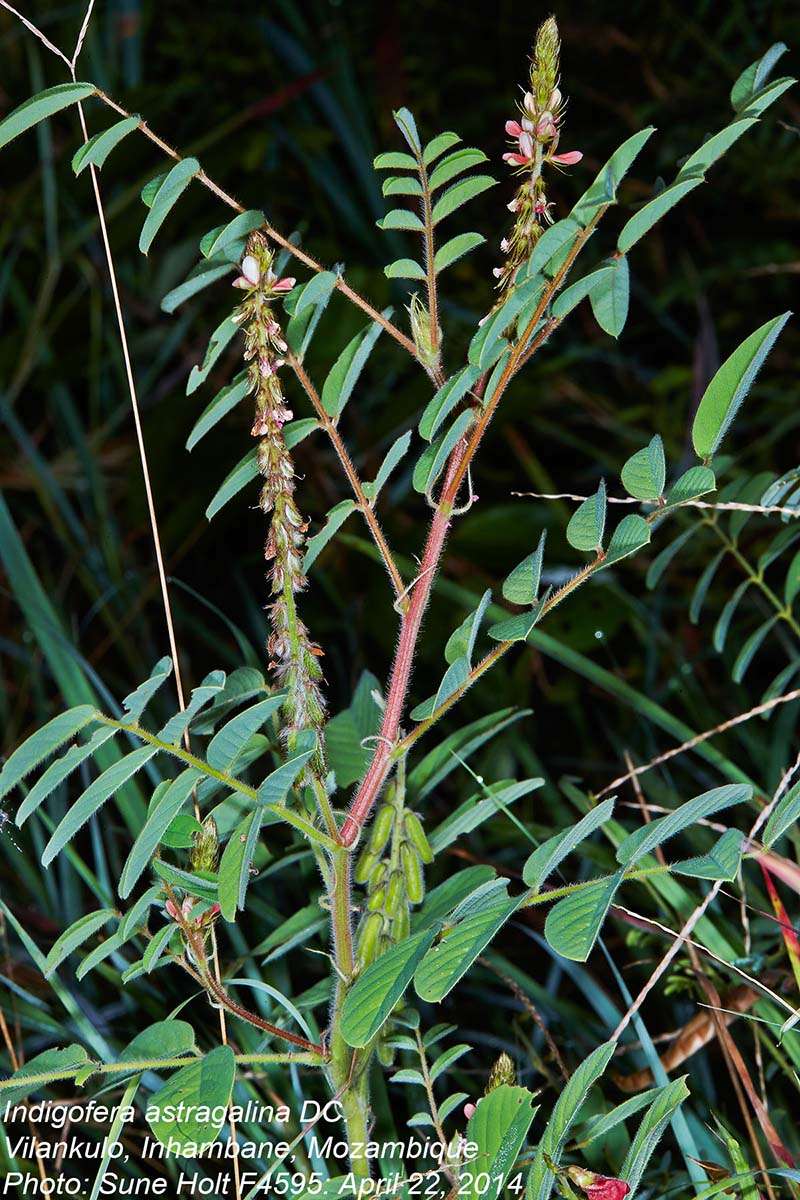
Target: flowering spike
535,142
294,657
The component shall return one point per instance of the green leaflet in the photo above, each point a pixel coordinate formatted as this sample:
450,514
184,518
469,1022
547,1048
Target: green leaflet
172,188
438,145
714,147
586,525
99,955
221,238
59,771
134,704
40,745
652,212
334,520
401,218
43,104
273,790
522,585
697,481
479,808
454,678
498,1128
202,1086
567,1107
94,798
721,862
647,837
174,729
247,468
460,193
224,402
97,149
163,1039
456,248
456,164
444,401
753,78
631,535
518,628
344,735
404,120
551,853
404,268
235,863
394,455
444,964
784,815
644,473
201,276
229,743
571,297
431,462
573,924
67,1062
461,642
610,298
652,1126
78,933
343,376
401,185
730,385
220,339
603,190
374,994
158,821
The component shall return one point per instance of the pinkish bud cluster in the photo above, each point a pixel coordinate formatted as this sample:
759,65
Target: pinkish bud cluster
598,1187
294,658
535,139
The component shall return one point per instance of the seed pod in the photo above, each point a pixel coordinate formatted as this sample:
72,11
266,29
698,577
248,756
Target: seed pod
401,924
375,902
365,866
369,937
395,893
381,828
412,871
416,834
377,876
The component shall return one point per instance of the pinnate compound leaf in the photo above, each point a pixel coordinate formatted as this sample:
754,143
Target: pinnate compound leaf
587,523
551,853
647,837
644,473
169,193
203,1088
564,1114
574,923
730,385
78,933
498,1128
375,992
43,104
97,149
721,862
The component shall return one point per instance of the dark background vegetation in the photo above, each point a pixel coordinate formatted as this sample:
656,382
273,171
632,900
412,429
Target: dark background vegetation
286,104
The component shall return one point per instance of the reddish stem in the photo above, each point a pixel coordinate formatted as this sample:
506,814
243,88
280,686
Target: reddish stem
379,768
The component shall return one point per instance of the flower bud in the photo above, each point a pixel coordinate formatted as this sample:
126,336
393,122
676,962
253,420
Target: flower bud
502,1072
426,338
205,851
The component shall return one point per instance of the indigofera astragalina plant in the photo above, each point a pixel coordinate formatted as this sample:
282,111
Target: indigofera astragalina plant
250,774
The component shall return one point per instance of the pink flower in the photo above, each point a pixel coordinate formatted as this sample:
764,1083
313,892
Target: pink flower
250,270
546,126
469,1111
517,160
284,285
598,1187
569,159
513,129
